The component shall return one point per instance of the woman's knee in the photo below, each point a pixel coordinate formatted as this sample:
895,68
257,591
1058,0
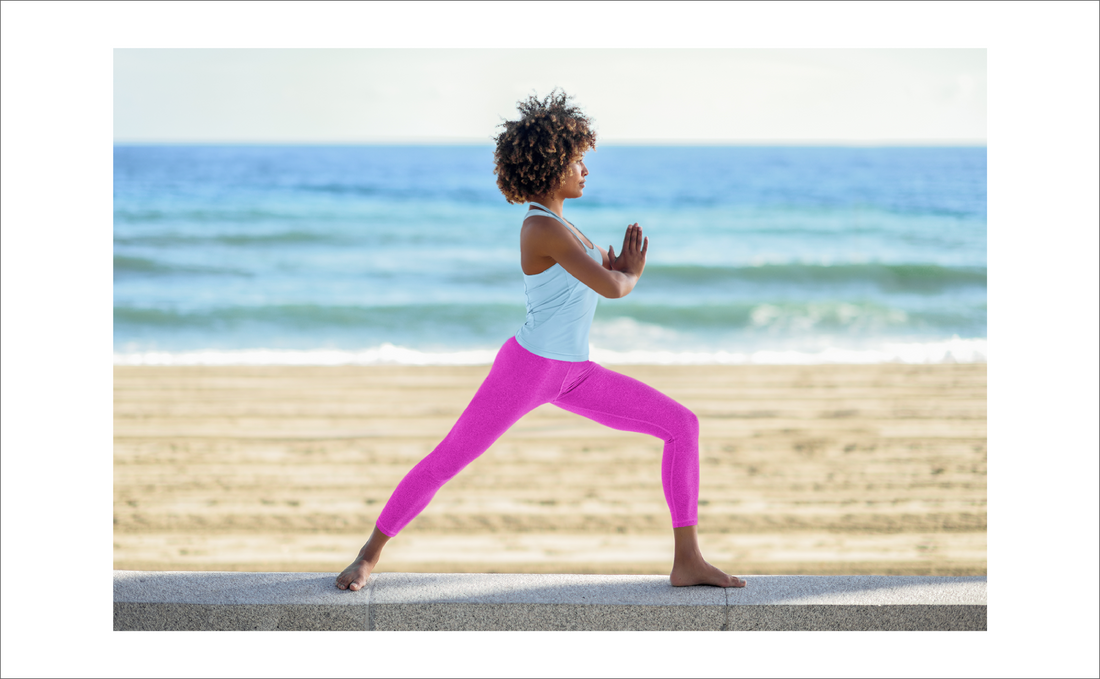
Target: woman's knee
684,424
691,422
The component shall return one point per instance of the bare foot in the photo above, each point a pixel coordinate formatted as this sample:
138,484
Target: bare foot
686,573
688,566
354,577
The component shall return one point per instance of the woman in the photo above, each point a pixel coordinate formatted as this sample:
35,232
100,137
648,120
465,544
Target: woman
540,161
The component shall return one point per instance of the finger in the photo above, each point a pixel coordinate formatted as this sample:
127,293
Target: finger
645,246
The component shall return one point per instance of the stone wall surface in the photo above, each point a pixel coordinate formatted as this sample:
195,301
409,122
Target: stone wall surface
193,600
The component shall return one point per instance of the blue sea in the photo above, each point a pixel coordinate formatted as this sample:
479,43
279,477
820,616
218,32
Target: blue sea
385,254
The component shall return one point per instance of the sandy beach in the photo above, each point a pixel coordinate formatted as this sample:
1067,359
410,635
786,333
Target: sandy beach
822,469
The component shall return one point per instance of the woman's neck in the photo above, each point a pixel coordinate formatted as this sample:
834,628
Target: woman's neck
552,203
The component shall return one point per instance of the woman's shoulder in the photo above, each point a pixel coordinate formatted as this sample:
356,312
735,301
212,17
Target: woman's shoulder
554,227
544,224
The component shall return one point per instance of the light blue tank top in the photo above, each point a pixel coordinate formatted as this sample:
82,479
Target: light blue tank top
559,307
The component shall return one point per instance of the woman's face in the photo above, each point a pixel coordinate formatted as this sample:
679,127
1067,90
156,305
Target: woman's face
573,185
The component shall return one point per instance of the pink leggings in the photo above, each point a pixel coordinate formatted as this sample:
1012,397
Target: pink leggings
520,381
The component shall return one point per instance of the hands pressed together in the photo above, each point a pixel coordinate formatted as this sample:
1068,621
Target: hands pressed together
631,258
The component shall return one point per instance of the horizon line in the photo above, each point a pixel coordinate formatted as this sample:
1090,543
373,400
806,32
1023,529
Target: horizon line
939,143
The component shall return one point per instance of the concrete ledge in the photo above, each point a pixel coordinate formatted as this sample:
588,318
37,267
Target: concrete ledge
472,601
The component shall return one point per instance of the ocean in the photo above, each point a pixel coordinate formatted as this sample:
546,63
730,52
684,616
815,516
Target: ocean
321,255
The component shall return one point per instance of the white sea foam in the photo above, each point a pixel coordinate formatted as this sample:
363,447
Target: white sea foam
386,354
954,350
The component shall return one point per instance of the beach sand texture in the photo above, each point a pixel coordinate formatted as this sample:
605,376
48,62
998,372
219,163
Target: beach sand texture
822,469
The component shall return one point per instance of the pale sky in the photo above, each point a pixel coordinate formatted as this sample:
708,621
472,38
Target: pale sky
815,96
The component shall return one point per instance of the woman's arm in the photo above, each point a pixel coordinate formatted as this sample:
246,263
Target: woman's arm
546,239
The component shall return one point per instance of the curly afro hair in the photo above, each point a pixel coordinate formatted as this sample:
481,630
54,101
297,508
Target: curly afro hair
533,153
